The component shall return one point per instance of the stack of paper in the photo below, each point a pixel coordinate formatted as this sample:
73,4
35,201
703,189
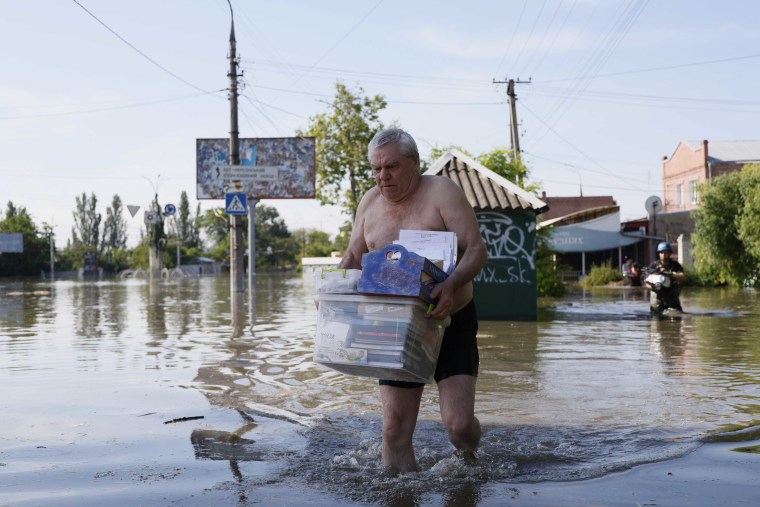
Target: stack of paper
434,245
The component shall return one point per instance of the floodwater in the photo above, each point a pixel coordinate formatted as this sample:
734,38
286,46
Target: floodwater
127,393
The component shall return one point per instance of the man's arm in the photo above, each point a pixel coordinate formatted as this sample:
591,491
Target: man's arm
459,217
357,245
677,273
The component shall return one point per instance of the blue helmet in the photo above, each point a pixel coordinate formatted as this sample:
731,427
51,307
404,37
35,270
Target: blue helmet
664,246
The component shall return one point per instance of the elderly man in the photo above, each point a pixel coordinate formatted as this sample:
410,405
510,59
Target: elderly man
405,199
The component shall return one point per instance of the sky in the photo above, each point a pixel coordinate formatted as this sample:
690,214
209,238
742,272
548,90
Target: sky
108,98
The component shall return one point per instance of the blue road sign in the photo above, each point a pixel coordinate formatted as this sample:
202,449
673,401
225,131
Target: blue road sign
170,209
237,204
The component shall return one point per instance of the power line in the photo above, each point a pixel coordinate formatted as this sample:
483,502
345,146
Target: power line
554,39
332,48
657,101
538,46
111,108
511,39
610,41
600,166
151,60
665,67
377,77
389,101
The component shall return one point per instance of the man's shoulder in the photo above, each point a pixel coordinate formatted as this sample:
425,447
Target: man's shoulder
440,184
436,179
370,196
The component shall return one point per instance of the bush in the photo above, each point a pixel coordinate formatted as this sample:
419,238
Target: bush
602,275
549,282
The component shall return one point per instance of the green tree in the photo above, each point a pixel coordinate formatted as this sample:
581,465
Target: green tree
215,224
502,162
184,226
726,244
35,256
343,171
115,227
275,246
437,152
86,231
499,160
318,244
114,241
549,272
340,242
194,241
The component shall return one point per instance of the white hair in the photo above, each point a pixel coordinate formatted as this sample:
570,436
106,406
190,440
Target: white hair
393,135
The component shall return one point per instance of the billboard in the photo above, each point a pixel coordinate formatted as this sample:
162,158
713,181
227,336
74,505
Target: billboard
270,168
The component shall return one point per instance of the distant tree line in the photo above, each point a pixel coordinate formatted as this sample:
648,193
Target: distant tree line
192,235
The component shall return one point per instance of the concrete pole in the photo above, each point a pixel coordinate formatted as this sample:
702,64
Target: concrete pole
237,282
513,117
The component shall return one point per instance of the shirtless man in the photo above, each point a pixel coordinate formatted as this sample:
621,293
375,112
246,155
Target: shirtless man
404,199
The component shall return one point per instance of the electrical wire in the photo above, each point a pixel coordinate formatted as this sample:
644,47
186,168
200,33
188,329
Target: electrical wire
332,48
536,47
111,108
511,39
665,67
530,34
587,157
125,41
554,40
596,62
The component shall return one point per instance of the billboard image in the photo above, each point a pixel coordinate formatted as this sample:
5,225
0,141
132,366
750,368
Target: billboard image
270,168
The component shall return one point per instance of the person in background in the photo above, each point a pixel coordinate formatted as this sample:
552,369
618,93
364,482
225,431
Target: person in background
405,199
662,297
632,273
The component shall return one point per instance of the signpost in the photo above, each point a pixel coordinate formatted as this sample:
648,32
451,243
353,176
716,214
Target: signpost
273,168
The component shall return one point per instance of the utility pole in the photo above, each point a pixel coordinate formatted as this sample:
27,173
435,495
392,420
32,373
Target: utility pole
514,134
237,281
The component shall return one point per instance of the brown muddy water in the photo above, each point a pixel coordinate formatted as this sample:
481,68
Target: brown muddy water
127,393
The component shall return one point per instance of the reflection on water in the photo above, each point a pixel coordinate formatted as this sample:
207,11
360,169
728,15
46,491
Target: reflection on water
595,386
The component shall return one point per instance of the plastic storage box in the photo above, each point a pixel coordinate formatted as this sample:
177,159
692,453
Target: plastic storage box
378,336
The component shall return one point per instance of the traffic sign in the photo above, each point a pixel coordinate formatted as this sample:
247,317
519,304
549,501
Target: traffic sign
151,218
236,204
11,242
170,209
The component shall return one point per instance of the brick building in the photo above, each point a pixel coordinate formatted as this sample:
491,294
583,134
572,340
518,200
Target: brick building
692,163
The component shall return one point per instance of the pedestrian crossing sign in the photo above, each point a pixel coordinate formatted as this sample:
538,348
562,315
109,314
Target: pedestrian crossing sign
237,204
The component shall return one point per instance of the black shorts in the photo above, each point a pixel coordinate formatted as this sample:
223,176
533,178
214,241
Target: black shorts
459,349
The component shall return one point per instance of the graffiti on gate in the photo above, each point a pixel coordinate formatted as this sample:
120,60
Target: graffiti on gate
511,249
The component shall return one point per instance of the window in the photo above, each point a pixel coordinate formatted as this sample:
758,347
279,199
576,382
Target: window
693,192
679,196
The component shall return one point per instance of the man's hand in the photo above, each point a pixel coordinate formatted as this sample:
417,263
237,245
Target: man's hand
445,294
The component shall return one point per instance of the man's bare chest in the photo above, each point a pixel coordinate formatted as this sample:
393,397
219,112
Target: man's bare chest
383,225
